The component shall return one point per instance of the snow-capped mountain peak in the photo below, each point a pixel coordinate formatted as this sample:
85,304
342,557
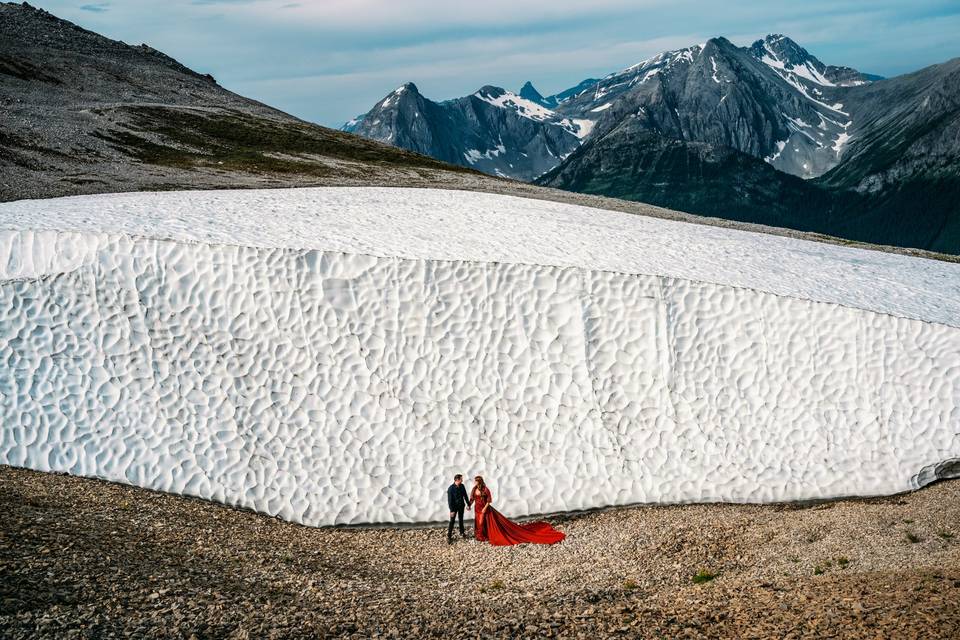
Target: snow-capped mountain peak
663,59
793,62
786,57
602,94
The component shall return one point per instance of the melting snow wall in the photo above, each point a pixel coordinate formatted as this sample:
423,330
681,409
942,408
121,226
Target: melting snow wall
334,388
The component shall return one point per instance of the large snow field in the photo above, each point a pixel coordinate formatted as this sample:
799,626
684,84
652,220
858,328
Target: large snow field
334,355
459,225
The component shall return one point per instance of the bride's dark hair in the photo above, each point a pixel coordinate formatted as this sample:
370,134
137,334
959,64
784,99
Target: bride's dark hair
478,485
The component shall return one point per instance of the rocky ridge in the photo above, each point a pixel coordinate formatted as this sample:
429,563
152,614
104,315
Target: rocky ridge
82,113
772,100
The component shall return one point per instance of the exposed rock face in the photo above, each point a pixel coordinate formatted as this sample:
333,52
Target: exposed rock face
721,94
905,159
909,128
495,131
529,92
635,163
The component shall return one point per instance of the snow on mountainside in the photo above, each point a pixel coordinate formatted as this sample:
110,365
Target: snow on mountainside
715,93
337,365
790,59
492,130
606,91
525,108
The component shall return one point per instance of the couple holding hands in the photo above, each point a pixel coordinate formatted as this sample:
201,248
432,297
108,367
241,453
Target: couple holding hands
489,524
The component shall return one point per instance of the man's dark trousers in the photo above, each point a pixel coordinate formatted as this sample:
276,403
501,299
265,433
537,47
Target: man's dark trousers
456,501
456,514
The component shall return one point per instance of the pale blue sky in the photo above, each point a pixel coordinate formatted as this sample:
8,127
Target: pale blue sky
329,60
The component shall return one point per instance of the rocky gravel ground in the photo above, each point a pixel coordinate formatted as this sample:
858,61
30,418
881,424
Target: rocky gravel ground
83,558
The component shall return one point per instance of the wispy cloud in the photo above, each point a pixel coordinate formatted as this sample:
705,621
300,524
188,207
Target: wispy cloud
425,15
221,2
328,60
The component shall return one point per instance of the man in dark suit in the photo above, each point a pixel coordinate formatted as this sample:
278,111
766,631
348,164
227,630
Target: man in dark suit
456,499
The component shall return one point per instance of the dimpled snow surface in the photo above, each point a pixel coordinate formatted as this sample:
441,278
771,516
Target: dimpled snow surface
334,355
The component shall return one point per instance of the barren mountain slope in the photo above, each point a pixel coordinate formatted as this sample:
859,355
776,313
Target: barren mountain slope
82,114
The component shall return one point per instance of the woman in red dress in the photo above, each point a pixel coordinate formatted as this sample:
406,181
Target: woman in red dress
481,498
492,526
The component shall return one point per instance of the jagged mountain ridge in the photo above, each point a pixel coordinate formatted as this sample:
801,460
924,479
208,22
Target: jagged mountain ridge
780,52
530,92
722,94
492,130
772,100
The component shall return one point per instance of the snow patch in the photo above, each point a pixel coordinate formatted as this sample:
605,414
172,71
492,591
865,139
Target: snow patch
790,74
583,127
842,140
524,107
714,64
798,123
411,222
650,74
811,73
473,155
781,144
533,111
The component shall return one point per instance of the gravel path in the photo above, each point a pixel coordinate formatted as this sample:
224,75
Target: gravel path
83,558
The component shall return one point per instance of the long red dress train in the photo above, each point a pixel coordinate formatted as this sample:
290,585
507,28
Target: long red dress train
499,530
494,527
